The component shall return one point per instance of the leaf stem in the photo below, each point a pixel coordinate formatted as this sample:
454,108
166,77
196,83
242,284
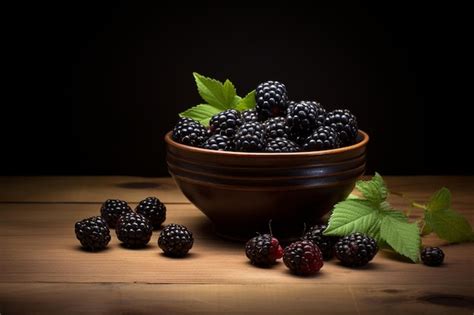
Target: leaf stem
418,205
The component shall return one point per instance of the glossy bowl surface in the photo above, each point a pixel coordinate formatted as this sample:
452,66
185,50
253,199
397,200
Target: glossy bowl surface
240,192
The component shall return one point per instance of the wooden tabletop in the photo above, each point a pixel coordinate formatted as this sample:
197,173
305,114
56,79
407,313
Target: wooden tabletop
44,271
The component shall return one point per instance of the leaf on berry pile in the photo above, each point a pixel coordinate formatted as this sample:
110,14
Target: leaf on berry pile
441,219
374,190
248,102
201,113
403,237
214,92
354,215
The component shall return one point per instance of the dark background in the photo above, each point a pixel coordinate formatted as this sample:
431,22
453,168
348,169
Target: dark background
93,87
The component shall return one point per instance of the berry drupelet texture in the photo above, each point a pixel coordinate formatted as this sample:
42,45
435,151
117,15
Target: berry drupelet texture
263,250
93,233
324,242
303,258
281,145
190,132
276,127
226,123
356,249
303,118
250,138
272,100
345,124
152,209
250,115
112,209
134,230
219,143
175,240
432,256
324,138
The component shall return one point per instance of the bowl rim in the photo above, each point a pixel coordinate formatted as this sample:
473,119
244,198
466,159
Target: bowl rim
362,143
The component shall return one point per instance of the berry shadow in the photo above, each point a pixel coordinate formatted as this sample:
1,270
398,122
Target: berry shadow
147,247
82,249
188,256
263,267
393,256
319,274
369,266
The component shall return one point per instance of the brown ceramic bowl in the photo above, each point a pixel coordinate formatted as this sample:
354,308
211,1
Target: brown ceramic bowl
240,192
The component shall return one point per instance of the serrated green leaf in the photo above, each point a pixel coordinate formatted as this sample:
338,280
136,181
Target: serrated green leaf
440,200
403,237
248,102
201,113
374,189
449,225
354,215
395,214
214,92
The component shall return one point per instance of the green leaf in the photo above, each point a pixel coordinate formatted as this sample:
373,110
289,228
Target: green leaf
374,190
214,92
352,196
395,214
403,237
354,215
236,101
248,102
449,225
441,200
201,113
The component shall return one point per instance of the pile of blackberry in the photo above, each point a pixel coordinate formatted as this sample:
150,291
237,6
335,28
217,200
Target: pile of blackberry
276,124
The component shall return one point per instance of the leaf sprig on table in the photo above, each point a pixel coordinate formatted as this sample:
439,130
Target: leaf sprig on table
373,215
218,97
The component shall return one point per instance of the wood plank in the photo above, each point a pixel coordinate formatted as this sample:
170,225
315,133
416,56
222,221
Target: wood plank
91,189
133,189
302,298
38,245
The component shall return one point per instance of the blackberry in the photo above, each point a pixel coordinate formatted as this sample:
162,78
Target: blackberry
219,142
303,258
324,242
190,132
432,256
303,118
250,138
134,230
276,128
281,145
263,250
250,115
345,123
272,99
93,233
356,249
324,138
226,123
175,240
152,209
112,209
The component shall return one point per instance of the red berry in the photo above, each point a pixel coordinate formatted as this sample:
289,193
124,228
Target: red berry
263,250
303,258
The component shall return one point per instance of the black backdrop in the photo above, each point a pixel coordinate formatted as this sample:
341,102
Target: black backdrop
93,87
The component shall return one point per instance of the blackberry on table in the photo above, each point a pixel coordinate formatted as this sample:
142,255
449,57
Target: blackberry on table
281,145
324,242
93,233
356,249
272,99
303,118
345,124
276,128
175,240
263,250
152,209
219,142
432,256
134,230
324,138
250,138
112,209
226,123
190,132
303,258
250,115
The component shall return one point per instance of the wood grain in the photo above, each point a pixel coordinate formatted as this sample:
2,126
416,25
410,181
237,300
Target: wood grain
44,271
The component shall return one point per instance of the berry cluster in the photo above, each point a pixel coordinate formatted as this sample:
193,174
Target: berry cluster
133,228
275,125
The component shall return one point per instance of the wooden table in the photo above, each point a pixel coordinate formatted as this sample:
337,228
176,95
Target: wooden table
44,271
